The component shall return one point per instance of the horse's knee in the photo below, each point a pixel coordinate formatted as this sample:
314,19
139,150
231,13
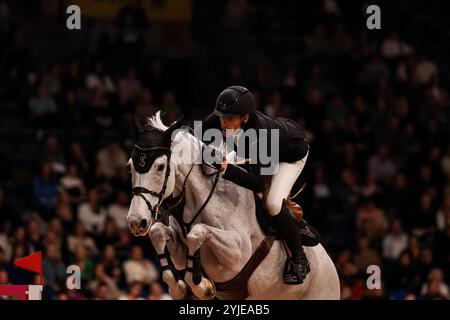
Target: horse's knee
157,234
273,205
196,236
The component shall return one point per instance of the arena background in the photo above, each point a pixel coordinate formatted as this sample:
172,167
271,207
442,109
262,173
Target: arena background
375,105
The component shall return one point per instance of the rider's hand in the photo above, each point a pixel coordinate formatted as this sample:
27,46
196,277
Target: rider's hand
215,158
223,165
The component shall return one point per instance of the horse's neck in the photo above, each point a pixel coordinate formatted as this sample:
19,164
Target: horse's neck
186,154
198,187
186,149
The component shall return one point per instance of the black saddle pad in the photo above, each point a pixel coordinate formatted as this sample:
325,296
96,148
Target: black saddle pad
310,236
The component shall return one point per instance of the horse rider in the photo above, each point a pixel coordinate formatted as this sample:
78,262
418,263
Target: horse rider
235,110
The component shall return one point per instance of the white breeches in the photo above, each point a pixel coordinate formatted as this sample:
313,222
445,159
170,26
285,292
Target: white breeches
282,183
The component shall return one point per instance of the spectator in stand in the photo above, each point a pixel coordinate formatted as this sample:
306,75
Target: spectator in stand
382,165
119,209
425,71
157,292
400,201
134,293
4,279
365,256
170,108
404,276
276,108
371,220
394,47
52,80
102,292
101,110
85,264
77,156
395,242
98,78
64,211
91,214
110,234
435,287
110,158
43,109
129,86
53,269
34,232
110,261
52,153
352,287
443,214
424,219
73,184
79,237
371,188
425,263
139,269
104,280
45,190
347,192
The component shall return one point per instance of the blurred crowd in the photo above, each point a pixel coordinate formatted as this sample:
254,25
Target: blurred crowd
375,107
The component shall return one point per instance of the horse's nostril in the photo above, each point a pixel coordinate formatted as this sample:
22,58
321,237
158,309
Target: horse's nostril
143,224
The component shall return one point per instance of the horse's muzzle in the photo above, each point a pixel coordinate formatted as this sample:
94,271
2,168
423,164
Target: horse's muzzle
139,227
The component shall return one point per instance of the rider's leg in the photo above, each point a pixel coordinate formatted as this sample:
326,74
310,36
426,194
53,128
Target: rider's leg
282,183
297,267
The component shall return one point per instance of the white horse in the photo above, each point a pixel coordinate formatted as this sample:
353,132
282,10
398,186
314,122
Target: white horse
225,233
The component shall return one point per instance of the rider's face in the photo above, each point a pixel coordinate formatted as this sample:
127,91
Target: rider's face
232,123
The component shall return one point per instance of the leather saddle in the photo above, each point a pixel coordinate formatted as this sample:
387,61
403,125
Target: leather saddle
310,237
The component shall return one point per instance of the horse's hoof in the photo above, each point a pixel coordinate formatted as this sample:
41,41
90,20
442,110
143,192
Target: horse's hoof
210,292
181,292
188,294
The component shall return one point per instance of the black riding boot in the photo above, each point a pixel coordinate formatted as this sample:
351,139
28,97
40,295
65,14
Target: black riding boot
297,267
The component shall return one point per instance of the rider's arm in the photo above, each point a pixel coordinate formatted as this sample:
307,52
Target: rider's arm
246,179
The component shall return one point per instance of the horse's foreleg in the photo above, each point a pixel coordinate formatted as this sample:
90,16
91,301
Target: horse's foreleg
225,247
161,236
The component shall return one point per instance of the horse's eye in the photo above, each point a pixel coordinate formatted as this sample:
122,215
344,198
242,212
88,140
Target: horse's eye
160,167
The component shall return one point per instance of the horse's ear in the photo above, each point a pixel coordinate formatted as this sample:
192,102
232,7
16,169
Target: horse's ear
137,126
177,125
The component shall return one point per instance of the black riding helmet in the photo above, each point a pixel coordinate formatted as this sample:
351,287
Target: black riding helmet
235,100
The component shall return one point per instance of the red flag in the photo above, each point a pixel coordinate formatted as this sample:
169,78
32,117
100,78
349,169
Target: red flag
32,262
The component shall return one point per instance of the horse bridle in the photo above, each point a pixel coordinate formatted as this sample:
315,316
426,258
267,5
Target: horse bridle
140,191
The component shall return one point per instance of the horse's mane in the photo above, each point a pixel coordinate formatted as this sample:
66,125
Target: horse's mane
155,122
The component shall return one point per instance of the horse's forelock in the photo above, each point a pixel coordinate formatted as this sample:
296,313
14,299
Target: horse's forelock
156,122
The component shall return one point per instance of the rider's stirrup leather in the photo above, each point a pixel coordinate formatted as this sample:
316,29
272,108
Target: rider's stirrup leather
296,267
